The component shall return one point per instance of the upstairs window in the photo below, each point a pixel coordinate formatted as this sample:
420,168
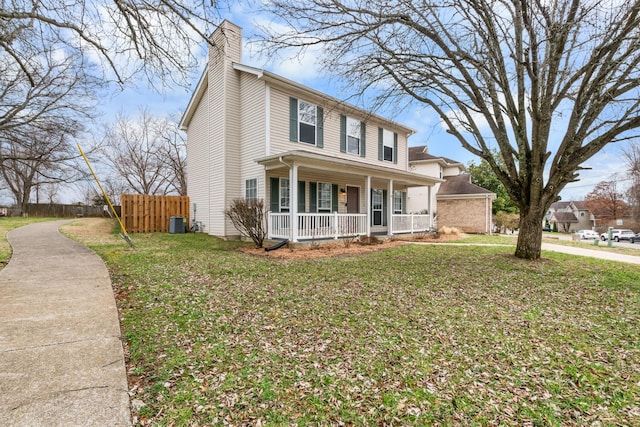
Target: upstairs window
353,136
305,122
387,142
307,118
387,145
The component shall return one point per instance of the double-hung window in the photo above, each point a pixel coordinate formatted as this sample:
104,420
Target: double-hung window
353,136
284,195
376,206
388,145
397,202
251,190
324,197
307,119
306,122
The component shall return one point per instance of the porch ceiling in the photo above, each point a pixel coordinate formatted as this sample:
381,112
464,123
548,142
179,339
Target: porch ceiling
346,167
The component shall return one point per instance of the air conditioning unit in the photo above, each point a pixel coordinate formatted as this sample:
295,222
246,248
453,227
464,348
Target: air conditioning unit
177,225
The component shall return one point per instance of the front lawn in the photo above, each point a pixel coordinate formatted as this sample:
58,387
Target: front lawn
412,335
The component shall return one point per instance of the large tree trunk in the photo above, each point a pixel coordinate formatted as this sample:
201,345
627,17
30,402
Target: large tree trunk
530,234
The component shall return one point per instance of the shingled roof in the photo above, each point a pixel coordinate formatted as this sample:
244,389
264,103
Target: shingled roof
565,217
420,153
460,184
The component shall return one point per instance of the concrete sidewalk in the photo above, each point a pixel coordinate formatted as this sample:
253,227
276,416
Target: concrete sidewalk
61,358
610,256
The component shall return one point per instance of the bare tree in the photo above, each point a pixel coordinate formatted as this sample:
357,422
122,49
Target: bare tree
43,158
547,83
55,88
606,202
147,153
174,155
124,37
632,157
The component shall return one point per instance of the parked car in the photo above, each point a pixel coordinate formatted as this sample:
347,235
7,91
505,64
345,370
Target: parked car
618,234
587,234
635,238
546,228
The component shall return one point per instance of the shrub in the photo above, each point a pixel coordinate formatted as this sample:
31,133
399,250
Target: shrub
248,217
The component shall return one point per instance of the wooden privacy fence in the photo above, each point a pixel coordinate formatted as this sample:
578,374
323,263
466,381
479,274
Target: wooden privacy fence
151,214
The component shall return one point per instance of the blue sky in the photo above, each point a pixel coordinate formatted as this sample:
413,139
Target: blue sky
604,165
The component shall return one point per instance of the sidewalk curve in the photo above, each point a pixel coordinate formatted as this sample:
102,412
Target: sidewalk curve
61,357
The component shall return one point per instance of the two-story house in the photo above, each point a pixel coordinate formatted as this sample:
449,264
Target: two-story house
460,203
570,216
324,168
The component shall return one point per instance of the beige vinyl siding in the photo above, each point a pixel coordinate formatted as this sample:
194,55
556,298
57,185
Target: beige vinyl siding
232,151
224,135
280,132
253,138
198,165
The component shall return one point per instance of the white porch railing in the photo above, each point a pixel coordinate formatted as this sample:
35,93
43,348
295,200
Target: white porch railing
336,225
410,223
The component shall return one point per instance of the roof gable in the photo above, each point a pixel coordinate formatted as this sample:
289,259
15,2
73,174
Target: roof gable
461,184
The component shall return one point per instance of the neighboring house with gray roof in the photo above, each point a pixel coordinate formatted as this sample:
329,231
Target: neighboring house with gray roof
570,216
460,203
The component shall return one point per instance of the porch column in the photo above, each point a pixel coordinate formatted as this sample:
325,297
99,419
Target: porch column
390,208
367,198
430,206
293,201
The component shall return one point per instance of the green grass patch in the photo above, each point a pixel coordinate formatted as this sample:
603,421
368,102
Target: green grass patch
414,335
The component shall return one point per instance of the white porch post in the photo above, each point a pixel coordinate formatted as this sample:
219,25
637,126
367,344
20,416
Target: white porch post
293,201
430,206
390,208
367,198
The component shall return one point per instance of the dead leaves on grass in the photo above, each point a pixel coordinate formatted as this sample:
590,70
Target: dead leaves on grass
383,339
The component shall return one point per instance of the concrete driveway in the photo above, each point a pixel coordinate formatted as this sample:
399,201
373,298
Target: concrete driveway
61,357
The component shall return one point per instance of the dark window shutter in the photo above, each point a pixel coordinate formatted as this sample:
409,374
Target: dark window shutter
380,145
404,202
334,198
293,119
343,133
301,189
275,195
320,127
395,147
313,197
385,202
371,205
363,137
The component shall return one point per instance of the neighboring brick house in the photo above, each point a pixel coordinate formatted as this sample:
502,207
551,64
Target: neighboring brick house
570,216
460,203
325,169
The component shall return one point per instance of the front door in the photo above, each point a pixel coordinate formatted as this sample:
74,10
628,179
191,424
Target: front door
353,200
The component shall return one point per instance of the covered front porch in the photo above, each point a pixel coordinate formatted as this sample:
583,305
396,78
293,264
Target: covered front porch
315,196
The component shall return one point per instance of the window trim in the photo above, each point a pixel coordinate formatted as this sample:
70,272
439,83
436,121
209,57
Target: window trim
319,192
302,122
375,193
253,188
397,199
356,134
284,208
